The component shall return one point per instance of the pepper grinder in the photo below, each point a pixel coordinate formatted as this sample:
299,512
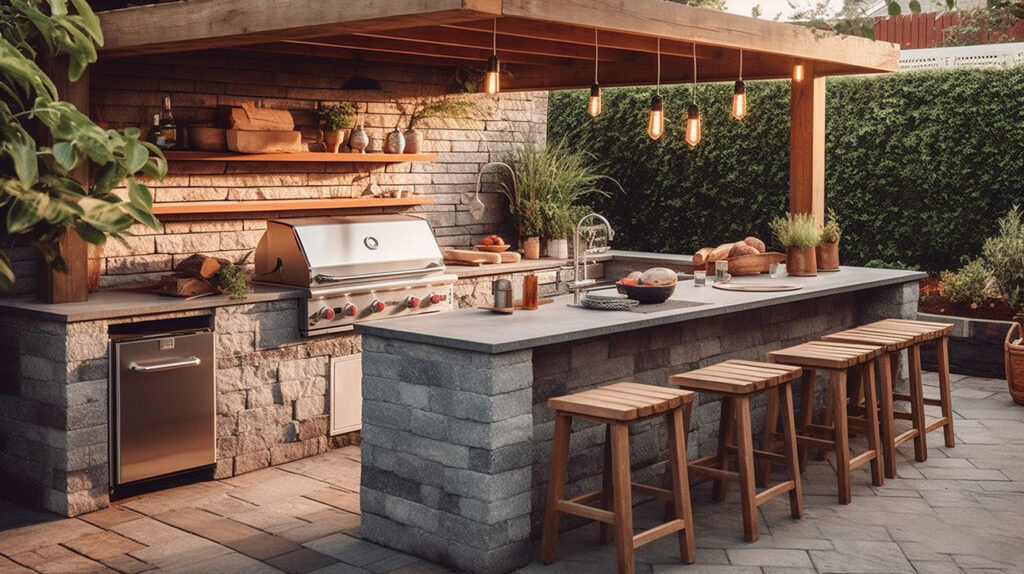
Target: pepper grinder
502,290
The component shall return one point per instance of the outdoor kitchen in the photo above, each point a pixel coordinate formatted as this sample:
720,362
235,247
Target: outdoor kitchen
393,306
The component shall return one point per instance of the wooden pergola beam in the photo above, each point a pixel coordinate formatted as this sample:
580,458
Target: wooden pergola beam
807,145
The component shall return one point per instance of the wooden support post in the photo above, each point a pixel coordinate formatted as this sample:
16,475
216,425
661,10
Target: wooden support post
73,286
807,145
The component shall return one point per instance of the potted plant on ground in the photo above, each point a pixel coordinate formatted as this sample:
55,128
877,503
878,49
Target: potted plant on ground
43,194
455,109
552,180
799,235
334,120
827,252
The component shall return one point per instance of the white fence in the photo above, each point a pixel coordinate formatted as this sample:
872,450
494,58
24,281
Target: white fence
984,56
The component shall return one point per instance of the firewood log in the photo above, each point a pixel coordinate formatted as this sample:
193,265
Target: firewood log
199,266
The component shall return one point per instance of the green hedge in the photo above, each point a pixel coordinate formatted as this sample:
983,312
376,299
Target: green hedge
919,165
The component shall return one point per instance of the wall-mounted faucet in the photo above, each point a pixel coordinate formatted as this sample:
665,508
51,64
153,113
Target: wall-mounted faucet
591,247
476,208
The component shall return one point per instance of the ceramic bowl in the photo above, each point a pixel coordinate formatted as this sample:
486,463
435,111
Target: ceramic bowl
647,294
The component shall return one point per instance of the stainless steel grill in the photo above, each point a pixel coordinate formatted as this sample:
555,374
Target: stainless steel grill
355,268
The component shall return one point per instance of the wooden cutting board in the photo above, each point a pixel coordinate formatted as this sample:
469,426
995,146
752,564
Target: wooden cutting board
469,257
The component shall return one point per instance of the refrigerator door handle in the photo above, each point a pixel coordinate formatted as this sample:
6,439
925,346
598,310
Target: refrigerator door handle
189,362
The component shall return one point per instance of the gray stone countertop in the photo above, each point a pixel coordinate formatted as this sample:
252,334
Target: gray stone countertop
466,271
114,304
484,331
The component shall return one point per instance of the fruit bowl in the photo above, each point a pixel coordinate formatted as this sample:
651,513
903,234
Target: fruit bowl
492,248
646,293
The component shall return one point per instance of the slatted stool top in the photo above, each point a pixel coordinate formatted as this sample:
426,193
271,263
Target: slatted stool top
890,340
825,354
621,401
736,377
924,330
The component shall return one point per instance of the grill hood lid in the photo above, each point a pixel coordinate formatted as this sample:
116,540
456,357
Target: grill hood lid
317,251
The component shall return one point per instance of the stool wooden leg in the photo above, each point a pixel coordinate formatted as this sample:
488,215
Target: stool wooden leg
622,500
724,439
806,410
796,496
745,456
942,356
680,484
556,487
885,400
917,403
768,442
606,484
871,414
837,384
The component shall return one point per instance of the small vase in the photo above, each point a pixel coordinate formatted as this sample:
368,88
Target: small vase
558,248
827,255
531,248
395,142
358,141
413,141
801,262
333,140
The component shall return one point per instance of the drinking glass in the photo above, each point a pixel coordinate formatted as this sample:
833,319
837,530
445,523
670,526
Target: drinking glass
700,278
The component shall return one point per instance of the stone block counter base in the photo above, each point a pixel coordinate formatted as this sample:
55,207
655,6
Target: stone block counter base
456,435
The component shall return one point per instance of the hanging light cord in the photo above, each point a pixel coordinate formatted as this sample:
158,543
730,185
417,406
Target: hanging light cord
494,38
741,65
595,55
658,85
694,72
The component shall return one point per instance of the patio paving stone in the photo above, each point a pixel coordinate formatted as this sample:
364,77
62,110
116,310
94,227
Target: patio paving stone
301,561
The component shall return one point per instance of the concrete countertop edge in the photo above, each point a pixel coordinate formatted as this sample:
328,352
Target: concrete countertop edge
666,317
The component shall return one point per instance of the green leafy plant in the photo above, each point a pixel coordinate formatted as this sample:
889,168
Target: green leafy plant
966,285
39,198
879,264
456,109
1004,255
796,230
336,116
551,181
232,281
831,232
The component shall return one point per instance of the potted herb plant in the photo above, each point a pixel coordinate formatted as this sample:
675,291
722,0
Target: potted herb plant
334,120
455,109
799,235
827,252
552,181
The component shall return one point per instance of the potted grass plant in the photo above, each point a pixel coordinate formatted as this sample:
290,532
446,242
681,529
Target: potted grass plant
334,120
799,235
455,109
827,252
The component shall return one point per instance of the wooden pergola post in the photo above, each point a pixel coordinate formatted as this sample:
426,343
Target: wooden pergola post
807,145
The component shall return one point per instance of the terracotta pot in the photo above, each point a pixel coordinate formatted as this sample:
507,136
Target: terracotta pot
801,262
413,141
558,248
531,248
828,256
333,139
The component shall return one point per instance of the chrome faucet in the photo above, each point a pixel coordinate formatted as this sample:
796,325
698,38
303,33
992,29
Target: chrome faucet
592,248
476,209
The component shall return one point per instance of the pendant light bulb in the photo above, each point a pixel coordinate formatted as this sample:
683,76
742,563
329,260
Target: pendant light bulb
656,121
594,105
798,73
492,83
693,125
739,95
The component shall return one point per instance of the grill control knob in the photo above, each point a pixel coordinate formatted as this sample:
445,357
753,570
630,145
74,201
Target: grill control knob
436,298
350,310
325,313
412,302
377,306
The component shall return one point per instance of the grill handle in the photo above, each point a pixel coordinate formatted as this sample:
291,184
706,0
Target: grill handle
321,278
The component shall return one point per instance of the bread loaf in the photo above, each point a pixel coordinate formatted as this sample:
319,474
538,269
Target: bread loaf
720,252
249,117
658,276
700,258
741,248
755,243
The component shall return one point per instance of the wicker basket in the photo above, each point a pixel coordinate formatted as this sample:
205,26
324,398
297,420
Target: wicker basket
1015,363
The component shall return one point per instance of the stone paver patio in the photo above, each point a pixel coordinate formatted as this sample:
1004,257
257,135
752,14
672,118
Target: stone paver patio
961,511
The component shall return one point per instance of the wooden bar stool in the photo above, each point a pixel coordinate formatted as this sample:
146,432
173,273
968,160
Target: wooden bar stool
618,406
842,361
736,381
925,332
892,342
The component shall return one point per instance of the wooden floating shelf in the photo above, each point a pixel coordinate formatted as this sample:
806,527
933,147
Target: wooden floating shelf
306,156
265,205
